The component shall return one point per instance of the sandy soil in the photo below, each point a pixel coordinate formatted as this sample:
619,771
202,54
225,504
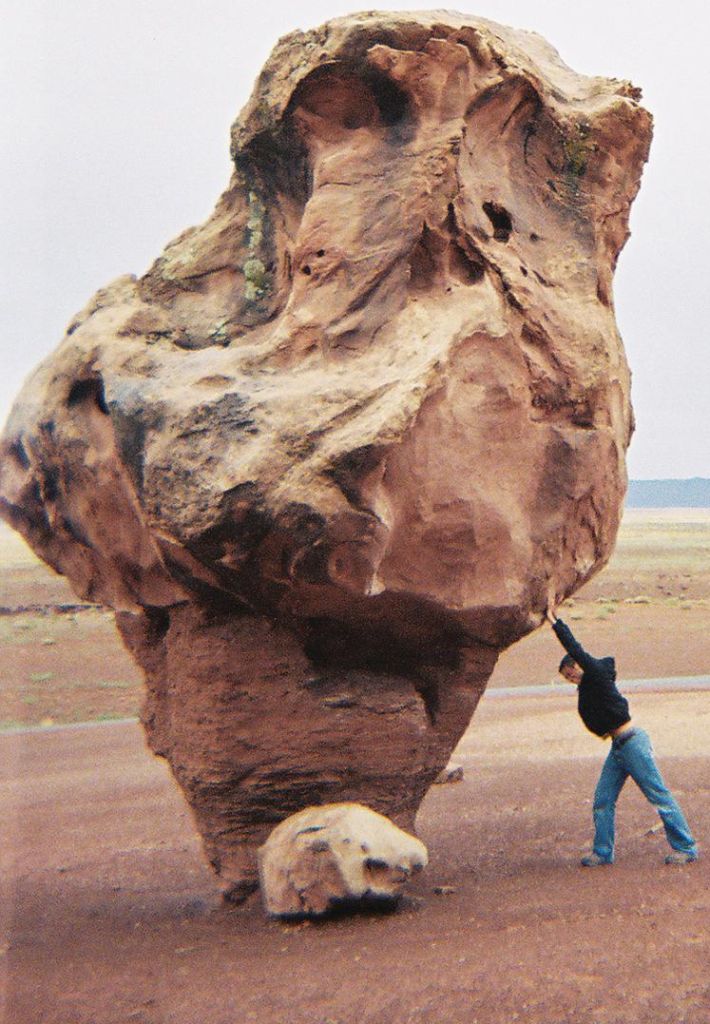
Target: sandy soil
109,915
112,917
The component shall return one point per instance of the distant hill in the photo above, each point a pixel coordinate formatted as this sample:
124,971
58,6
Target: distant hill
694,493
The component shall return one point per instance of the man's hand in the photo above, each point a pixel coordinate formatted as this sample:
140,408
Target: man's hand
550,615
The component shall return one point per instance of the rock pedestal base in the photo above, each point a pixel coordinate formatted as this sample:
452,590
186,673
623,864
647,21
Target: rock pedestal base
254,730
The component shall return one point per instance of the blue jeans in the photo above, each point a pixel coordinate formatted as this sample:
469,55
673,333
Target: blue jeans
634,757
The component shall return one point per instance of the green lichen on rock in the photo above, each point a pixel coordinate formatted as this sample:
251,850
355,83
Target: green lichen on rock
176,263
220,333
255,221
256,276
577,148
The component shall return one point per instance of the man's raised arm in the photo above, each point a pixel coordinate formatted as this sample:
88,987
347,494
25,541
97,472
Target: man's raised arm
571,645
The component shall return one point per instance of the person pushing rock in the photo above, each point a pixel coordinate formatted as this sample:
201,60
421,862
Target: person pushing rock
605,712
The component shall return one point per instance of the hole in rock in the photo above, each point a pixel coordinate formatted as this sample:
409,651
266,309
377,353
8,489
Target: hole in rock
321,252
423,262
87,391
311,828
603,294
50,483
391,100
377,867
17,451
500,219
306,270
341,95
74,530
467,270
157,622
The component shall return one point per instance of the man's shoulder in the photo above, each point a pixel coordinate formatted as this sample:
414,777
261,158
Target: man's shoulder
608,667
604,668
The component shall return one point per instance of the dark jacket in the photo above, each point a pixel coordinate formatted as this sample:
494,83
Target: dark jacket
600,705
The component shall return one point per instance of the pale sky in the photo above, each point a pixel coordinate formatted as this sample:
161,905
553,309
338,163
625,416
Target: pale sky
115,120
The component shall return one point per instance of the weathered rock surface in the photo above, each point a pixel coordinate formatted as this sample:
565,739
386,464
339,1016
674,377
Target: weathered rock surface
340,854
332,453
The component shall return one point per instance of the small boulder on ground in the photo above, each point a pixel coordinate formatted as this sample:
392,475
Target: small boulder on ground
333,856
452,773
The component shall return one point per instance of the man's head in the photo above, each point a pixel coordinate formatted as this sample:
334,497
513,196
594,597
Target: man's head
570,670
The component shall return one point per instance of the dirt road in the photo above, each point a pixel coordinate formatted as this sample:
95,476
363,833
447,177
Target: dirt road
111,916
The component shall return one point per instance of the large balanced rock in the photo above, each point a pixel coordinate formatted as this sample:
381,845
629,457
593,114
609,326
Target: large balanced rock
339,445
338,855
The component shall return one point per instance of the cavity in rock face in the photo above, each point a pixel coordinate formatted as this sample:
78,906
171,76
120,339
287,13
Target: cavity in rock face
333,452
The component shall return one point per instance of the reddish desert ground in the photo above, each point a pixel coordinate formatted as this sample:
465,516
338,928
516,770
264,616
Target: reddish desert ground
110,916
